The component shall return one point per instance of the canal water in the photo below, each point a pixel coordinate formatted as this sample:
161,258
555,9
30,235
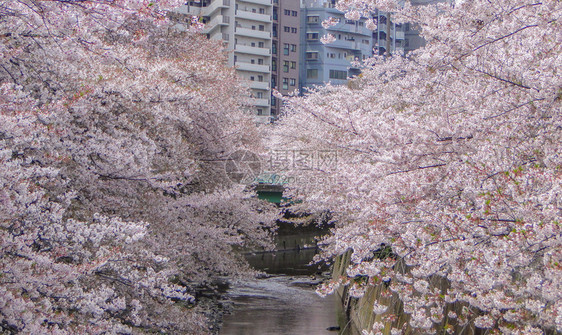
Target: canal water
285,302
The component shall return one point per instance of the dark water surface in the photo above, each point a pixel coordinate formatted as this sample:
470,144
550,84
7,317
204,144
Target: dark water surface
279,305
285,303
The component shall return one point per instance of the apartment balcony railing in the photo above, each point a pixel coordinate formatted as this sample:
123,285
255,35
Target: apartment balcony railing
243,14
348,28
260,102
252,50
346,44
258,2
252,33
259,85
243,66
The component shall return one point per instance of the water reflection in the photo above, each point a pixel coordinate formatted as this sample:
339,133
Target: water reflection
279,305
286,303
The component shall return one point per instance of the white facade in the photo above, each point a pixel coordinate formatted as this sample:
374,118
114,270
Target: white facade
246,27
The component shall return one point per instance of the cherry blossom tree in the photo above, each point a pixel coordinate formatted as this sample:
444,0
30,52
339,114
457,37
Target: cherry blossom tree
114,203
449,168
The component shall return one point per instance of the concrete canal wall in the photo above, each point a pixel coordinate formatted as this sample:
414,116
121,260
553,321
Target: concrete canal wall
360,315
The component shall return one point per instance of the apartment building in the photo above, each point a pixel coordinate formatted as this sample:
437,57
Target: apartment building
246,27
354,42
276,43
332,62
285,63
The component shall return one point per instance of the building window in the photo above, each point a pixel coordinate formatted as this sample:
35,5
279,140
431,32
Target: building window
294,30
294,13
312,36
285,83
312,73
293,82
262,10
287,12
260,111
286,66
273,100
336,74
260,61
285,49
273,81
293,65
287,29
260,78
293,48
273,65
261,27
274,48
312,55
275,13
261,44
312,19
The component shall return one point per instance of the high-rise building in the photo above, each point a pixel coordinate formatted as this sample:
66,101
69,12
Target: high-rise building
277,43
354,42
246,27
286,47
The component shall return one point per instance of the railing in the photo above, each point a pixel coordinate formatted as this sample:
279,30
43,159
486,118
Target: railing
243,66
252,32
243,14
258,2
259,85
252,50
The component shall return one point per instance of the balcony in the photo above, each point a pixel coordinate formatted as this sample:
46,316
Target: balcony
258,2
217,21
260,102
259,85
399,35
243,66
214,6
345,44
242,14
348,28
252,50
253,33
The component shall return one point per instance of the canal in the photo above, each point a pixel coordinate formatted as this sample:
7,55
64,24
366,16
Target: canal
284,302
